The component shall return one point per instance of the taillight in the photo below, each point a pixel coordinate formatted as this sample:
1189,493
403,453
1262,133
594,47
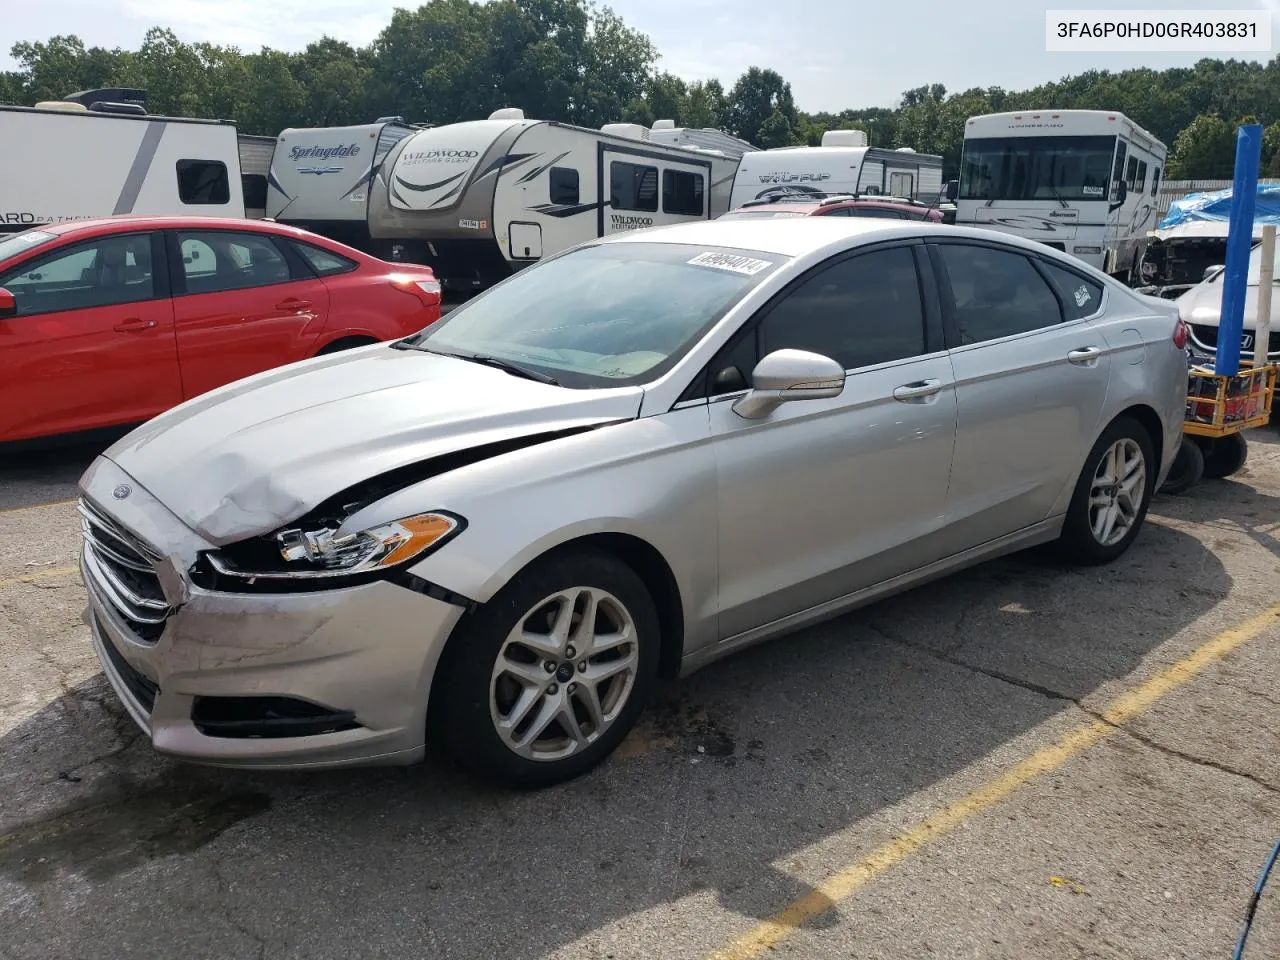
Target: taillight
427,289
1180,334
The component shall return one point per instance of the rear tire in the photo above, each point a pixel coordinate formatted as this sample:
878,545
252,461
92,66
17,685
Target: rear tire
506,718
1187,469
1112,495
1225,456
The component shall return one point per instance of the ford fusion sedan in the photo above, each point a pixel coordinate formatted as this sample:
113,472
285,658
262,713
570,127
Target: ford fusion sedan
619,464
111,321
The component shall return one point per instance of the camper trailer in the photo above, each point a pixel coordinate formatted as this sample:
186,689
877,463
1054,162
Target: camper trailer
1081,181
100,153
842,164
320,176
481,199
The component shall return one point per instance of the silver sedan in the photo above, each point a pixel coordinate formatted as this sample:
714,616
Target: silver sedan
621,463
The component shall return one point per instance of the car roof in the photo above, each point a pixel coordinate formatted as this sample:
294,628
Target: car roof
795,237
138,221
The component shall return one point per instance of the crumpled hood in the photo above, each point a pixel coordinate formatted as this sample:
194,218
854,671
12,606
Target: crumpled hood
246,458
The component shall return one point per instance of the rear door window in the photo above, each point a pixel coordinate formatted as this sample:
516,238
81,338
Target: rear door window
995,293
215,261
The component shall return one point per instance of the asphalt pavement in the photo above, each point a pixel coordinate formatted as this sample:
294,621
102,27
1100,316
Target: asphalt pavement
1019,761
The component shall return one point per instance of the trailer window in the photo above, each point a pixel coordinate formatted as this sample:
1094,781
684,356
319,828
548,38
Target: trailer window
1132,176
901,184
203,182
633,187
564,186
1142,175
1155,180
1117,171
682,193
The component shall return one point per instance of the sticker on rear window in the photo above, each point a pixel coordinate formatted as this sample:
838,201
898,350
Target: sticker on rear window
748,266
1082,295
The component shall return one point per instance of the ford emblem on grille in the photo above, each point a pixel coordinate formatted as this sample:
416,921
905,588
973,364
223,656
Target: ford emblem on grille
122,491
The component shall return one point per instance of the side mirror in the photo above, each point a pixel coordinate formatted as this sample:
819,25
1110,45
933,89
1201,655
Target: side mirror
1209,272
8,305
786,375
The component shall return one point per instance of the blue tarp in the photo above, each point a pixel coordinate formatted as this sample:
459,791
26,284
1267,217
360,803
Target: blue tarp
1216,206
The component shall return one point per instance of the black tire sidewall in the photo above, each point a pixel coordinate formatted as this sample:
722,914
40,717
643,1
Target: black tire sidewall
460,715
1077,535
1225,456
1187,469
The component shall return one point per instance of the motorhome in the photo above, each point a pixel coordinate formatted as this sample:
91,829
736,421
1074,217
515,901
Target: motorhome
1081,181
842,164
100,153
320,176
480,199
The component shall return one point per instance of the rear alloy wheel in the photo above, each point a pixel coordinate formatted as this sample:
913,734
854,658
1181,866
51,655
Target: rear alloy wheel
1112,495
545,680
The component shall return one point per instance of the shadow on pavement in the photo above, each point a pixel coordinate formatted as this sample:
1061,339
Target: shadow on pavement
733,770
33,475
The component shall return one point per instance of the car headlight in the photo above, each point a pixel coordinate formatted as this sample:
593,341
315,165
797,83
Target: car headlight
321,554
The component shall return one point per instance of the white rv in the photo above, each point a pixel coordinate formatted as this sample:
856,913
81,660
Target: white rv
481,199
320,177
1081,181
100,153
842,164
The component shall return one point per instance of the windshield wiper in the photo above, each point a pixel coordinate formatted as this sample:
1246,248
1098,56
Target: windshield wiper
514,369
1057,196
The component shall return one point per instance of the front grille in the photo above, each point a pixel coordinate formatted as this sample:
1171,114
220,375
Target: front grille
143,689
1206,336
123,571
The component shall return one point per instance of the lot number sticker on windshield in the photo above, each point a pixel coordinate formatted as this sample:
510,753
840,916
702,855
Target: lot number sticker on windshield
728,261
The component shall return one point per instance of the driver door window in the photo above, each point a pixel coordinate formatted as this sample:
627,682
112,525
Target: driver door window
100,273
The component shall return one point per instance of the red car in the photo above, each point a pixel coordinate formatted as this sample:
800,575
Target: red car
113,321
843,205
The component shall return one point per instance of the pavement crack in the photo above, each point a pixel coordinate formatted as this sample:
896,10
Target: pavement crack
1190,758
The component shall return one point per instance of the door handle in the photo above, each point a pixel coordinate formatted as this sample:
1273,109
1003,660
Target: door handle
292,304
1084,356
133,325
914,391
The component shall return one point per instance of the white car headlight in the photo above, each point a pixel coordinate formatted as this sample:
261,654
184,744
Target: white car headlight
322,554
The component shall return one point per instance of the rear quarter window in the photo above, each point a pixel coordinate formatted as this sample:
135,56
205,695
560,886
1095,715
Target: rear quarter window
1080,297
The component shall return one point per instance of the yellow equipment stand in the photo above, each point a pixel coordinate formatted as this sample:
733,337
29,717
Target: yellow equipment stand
1219,408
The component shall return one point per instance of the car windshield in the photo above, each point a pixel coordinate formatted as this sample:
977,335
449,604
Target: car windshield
764,214
1036,168
20,243
612,314
1255,265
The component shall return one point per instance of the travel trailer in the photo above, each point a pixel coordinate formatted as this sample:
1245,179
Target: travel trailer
1081,181
100,153
481,199
843,164
320,176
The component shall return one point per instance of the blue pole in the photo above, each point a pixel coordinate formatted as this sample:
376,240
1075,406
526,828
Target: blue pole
1239,241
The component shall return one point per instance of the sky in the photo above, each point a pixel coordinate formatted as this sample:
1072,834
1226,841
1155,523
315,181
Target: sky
835,53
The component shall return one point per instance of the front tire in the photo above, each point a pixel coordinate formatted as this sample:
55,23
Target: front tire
1112,495
543,682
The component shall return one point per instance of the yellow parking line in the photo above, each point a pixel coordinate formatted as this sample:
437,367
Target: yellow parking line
38,575
768,933
37,506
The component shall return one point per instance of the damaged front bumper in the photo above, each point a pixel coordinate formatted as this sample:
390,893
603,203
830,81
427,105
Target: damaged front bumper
277,680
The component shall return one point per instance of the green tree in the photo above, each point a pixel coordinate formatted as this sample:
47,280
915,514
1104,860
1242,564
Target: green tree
774,132
753,101
705,105
1205,149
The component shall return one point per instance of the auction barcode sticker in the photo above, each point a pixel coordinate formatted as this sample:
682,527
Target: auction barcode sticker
729,261
1151,31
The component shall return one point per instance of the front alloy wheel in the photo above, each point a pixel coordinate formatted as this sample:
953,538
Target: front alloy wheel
543,681
564,674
